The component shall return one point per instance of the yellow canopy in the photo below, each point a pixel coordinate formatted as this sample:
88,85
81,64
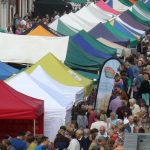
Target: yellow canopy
61,73
40,31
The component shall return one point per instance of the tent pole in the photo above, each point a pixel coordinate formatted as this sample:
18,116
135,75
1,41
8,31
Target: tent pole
34,127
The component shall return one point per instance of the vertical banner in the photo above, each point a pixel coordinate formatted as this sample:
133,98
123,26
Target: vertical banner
106,83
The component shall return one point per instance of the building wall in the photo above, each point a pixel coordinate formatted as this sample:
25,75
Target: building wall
9,7
3,13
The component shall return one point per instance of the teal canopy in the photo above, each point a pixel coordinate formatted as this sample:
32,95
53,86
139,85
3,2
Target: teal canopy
77,58
138,18
143,7
97,45
140,15
121,35
126,2
86,54
88,75
64,29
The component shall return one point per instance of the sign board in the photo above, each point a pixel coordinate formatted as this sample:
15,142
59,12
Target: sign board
106,83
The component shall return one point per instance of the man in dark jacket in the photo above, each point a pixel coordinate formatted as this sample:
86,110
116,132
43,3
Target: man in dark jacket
145,89
82,140
129,126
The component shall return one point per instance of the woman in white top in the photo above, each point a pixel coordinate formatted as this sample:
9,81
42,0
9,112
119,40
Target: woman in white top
74,143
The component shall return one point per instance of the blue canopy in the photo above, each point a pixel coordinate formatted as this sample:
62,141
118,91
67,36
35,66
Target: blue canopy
133,23
79,40
133,31
147,2
120,27
6,71
101,31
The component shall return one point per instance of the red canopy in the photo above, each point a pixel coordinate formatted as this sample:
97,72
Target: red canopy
19,112
15,105
107,8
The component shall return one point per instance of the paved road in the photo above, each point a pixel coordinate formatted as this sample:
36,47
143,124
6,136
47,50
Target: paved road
137,141
145,145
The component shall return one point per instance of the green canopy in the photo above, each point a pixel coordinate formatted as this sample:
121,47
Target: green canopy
79,1
98,45
87,57
143,6
64,29
140,20
76,58
88,75
135,12
126,2
119,34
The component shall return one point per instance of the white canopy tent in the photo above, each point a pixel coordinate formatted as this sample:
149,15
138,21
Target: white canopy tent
84,19
121,50
54,25
103,11
29,49
87,16
98,12
82,23
58,97
54,113
117,5
69,21
74,94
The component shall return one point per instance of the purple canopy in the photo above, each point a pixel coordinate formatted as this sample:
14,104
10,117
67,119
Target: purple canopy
101,31
135,24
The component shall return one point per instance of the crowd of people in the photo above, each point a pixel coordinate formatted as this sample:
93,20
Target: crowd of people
22,24
128,109
90,129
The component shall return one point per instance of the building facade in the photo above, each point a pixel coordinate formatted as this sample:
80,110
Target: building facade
9,7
